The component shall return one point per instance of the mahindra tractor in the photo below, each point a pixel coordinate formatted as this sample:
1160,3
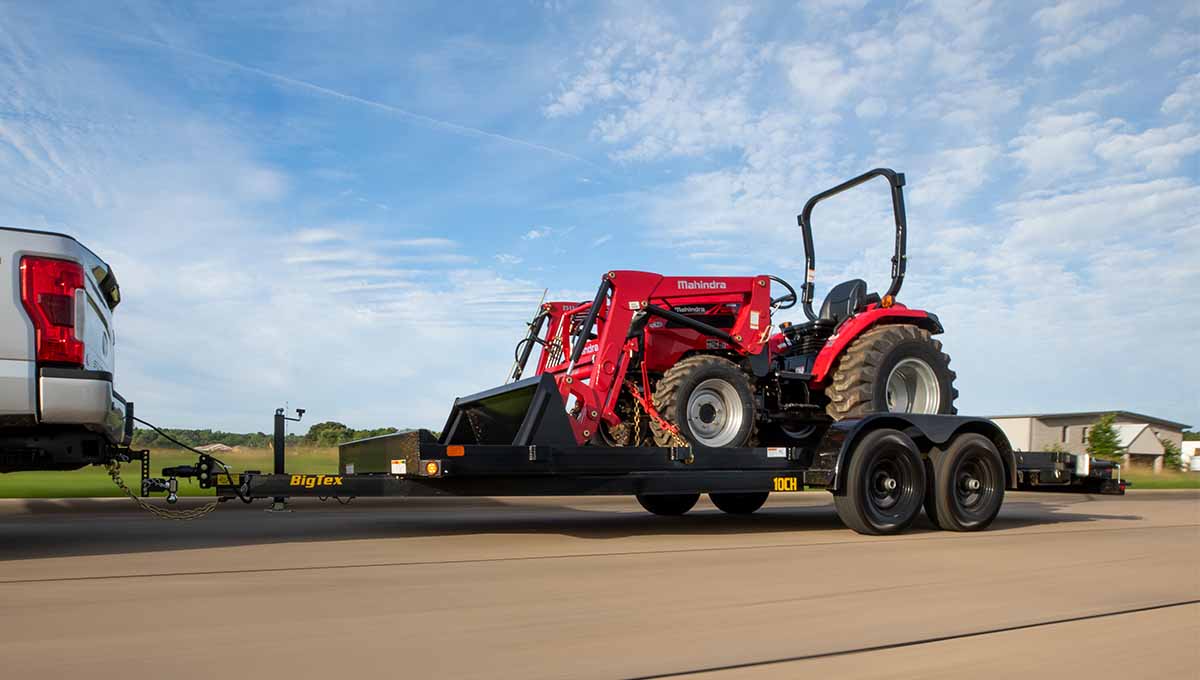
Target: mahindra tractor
706,361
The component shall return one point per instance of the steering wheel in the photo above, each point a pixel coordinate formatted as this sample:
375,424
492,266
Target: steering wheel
784,301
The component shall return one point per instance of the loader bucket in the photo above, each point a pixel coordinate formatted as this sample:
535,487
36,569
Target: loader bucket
523,413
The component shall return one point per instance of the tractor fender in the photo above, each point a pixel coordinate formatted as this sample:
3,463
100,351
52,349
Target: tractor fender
857,325
931,433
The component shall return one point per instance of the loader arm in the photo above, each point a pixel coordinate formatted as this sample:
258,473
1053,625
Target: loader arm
589,347
591,371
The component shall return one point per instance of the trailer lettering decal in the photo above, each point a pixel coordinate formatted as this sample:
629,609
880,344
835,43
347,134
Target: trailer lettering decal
313,481
786,484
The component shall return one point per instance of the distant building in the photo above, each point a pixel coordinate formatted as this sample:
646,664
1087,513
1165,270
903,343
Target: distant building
1139,434
1187,452
214,448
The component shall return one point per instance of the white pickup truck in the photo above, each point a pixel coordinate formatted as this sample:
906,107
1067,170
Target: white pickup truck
58,408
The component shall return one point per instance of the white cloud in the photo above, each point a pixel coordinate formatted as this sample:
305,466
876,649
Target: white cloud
508,259
676,97
1088,40
318,235
537,233
1185,100
1158,150
956,174
1053,146
1109,212
1068,14
819,77
871,107
423,243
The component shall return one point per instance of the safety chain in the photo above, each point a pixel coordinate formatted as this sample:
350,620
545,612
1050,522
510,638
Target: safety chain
637,423
114,471
676,438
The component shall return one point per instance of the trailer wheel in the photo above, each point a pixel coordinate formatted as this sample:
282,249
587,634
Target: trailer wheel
738,503
709,399
895,368
967,485
884,484
668,504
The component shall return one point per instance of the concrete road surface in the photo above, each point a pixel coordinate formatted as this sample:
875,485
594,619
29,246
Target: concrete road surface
1062,586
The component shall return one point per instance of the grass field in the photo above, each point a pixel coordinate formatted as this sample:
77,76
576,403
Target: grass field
93,482
1164,480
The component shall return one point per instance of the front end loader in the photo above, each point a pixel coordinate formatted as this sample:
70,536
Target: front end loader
702,360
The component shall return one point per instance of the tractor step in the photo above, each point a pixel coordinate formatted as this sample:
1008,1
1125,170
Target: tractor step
794,375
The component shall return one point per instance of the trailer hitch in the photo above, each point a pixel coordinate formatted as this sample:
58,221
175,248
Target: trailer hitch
157,485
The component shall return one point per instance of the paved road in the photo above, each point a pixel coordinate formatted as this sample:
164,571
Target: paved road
1061,586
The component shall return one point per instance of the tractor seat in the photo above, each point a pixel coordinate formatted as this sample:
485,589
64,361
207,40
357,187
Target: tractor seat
845,300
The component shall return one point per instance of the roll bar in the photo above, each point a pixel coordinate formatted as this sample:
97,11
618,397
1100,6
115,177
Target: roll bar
804,219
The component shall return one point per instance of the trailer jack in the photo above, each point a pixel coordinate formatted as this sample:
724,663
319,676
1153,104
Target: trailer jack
279,503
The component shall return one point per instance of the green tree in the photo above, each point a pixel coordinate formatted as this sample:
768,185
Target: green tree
328,433
1171,455
1102,440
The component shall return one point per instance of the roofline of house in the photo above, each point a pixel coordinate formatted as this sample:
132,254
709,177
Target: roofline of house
1097,414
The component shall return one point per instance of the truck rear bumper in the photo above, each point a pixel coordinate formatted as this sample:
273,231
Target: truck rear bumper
18,398
77,397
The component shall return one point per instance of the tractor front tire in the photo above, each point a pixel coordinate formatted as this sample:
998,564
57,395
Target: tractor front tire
670,504
899,368
739,503
709,399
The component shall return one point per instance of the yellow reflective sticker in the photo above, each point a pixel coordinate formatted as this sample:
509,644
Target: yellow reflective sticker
786,484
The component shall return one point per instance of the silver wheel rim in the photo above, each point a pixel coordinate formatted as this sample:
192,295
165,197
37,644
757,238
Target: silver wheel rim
714,413
912,387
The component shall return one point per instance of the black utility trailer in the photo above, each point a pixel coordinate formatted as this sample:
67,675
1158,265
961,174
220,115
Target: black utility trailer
882,471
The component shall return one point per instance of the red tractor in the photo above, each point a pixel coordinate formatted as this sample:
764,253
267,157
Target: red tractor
703,361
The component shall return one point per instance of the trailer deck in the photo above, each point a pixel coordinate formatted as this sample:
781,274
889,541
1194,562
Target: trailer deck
441,469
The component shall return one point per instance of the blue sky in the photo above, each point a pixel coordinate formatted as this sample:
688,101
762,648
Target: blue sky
353,205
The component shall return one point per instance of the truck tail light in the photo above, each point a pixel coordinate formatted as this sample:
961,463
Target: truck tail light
48,288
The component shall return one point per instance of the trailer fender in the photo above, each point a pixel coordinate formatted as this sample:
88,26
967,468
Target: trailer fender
931,433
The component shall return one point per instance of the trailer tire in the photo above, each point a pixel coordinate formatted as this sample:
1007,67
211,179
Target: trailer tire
713,391
671,505
893,353
967,485
739,503
884,484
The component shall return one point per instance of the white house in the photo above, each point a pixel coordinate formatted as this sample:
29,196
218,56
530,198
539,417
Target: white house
1141,436
1187,452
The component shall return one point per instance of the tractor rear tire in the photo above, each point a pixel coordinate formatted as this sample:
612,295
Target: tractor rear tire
897,367
669,505
709,399
739,503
